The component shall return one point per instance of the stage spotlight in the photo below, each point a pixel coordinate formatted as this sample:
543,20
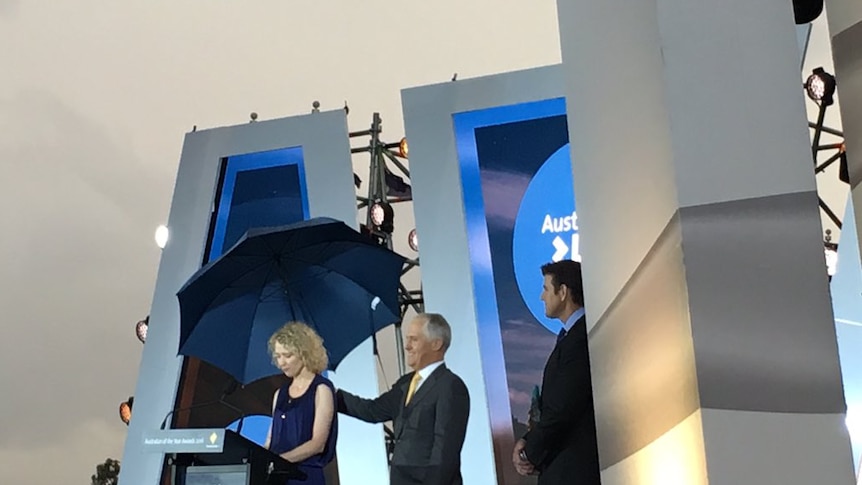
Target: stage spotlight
831,250
403,148
141,329
382,216
126,410
162,234
413,240
805,11
820,87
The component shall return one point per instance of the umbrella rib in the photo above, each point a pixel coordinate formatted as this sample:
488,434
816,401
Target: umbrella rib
325,268
284,277
325,245
254,268
233,281
281,274
320,247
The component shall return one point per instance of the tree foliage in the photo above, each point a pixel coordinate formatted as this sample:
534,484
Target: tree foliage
107,473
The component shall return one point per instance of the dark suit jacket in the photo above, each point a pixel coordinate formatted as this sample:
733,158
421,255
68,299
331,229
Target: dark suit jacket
562,445
429,432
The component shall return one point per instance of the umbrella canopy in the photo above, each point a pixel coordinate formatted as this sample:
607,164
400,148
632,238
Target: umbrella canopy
320,272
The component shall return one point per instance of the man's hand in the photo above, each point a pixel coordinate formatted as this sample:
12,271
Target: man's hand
522,466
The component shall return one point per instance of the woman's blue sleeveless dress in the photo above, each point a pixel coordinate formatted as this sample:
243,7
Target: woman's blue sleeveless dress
292,423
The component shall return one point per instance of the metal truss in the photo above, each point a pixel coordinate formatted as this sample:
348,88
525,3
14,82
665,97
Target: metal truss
384,188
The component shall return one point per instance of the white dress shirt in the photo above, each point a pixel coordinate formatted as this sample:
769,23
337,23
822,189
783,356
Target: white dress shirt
425,372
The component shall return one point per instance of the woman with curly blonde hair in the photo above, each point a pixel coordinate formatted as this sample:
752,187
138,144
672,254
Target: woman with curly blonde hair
304,428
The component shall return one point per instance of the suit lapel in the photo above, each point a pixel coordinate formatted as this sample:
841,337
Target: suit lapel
426,386
579,326
423,390
399,423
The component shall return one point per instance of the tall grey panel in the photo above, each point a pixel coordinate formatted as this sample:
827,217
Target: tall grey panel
761,318
848,72
842,14
328,177
846,290
845,27
703,262
643,366
620,140
447,269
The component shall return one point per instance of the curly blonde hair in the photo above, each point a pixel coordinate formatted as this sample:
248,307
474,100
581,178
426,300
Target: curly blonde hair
303,341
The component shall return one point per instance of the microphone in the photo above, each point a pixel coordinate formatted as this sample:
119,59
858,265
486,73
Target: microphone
229,389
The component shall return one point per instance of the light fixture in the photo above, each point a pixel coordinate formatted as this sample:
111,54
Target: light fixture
805,11
141,329
820,87
403,148
126,410
162,234
413,240
383,216
831,250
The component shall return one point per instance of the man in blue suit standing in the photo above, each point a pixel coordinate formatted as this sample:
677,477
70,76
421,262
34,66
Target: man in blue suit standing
561,447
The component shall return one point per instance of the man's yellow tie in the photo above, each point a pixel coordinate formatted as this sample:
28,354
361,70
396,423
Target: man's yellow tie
412,389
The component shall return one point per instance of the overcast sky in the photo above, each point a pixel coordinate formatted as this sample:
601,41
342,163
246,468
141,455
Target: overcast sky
95,98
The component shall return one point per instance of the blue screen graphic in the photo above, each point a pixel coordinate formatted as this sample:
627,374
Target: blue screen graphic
254,428
260,190
515,171
546,229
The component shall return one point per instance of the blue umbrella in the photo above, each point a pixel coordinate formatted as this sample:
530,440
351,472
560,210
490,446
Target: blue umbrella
318,271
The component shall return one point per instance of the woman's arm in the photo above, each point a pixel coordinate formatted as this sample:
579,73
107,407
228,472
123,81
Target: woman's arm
324,410
269,433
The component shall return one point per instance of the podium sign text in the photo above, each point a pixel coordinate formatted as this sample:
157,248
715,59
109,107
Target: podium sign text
203,440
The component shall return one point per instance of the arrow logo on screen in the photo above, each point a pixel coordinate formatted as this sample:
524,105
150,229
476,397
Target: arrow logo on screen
561,249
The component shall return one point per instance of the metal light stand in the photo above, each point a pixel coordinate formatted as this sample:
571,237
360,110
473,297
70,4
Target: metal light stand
817,149
823,95
820,88
381,152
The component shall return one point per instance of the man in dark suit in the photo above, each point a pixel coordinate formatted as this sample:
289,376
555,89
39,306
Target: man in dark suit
561,447
428,407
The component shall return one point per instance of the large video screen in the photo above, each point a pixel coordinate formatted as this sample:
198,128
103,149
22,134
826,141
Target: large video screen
261,189
520,208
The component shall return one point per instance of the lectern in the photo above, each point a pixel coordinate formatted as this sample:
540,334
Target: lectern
210,456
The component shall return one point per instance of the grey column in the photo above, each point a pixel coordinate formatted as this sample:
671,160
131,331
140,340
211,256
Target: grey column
326,153
845,26
713,349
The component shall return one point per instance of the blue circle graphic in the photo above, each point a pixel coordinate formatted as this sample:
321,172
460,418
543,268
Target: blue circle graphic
545,230
254,427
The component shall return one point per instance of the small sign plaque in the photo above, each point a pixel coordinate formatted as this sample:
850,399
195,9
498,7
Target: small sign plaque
203,440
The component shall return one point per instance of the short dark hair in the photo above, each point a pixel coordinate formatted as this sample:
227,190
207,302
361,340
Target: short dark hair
566,272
